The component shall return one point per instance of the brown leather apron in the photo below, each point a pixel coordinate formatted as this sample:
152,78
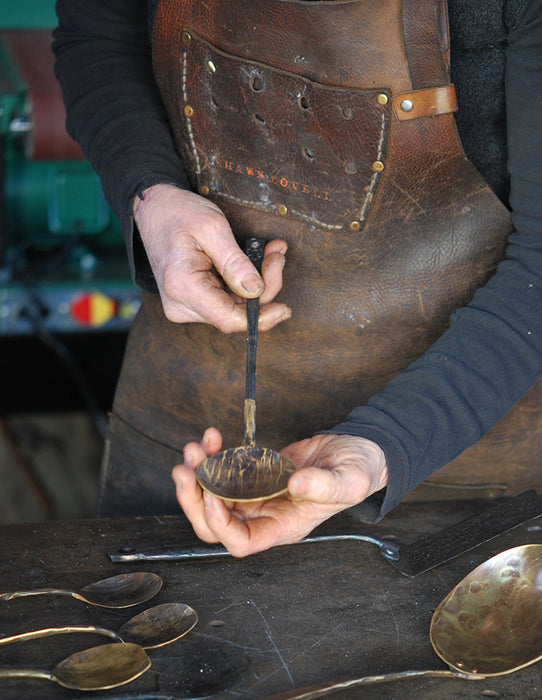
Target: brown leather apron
330,125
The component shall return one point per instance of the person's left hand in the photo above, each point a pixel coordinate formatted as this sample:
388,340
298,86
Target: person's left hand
334,472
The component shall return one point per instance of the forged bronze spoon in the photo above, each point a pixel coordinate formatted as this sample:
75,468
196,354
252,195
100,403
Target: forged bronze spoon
152,628
490,624
99,668
120,591
248,472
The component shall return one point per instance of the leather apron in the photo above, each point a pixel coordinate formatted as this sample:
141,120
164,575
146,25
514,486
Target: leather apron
330,125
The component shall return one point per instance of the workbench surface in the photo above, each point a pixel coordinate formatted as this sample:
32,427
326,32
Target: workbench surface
291,617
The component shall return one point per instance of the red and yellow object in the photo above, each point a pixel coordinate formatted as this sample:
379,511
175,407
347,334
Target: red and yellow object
93,309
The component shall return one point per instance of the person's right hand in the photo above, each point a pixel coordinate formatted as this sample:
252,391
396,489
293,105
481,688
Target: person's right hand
202,274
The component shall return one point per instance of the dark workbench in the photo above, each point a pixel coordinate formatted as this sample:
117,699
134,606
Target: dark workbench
294,616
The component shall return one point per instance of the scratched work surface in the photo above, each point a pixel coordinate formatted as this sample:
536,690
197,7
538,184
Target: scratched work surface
294,616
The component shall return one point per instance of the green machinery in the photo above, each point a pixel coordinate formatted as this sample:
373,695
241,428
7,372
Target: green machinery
62,258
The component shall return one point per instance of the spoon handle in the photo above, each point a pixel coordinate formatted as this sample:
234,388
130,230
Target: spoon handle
51,631
25,673
254,249
334,687
10,595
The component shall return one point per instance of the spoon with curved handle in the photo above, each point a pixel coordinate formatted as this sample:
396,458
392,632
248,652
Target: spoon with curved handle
122,591
152,628
490,624
248,472
98,668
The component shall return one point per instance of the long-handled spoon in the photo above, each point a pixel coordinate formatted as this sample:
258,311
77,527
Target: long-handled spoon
490,624
248,472
99,668
152,628
120,591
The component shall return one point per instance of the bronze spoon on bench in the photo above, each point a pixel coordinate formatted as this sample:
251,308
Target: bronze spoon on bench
248,472
99,668
120,591
152,628
490,624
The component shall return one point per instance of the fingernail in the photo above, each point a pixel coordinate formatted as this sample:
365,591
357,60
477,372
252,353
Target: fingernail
300,487
252,283
287,313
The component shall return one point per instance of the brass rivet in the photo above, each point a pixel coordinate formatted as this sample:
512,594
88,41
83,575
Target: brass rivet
355,225
282,209
188,111
382,99
211,67
347,113
186,37
407,105
459,664
378,165
204,190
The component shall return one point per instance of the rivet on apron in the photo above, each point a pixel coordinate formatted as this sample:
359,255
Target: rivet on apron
204,190
378,165
307,153
303,103
355,225
282,209
188,111
211,67
347,112
186,37
382,99
407,105
256,83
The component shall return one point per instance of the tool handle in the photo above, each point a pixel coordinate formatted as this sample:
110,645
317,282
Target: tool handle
254,249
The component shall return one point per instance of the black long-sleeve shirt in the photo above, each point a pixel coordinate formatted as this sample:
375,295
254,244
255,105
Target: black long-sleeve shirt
492,352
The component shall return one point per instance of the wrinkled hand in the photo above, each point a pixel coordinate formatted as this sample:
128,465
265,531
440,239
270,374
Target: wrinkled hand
334,472
201,273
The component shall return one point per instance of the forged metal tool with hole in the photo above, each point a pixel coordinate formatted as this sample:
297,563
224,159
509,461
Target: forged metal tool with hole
410,559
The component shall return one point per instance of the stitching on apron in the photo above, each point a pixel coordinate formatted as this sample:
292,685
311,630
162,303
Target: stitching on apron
376,176
264,207
188,120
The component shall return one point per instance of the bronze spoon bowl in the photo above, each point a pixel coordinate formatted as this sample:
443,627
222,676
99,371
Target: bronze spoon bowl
246,473
490,624
99,668
122,591
152,628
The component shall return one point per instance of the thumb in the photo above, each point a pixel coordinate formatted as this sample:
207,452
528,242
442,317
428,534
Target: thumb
237,271
328,486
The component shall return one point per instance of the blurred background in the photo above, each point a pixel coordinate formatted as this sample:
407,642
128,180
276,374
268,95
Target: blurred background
66,299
